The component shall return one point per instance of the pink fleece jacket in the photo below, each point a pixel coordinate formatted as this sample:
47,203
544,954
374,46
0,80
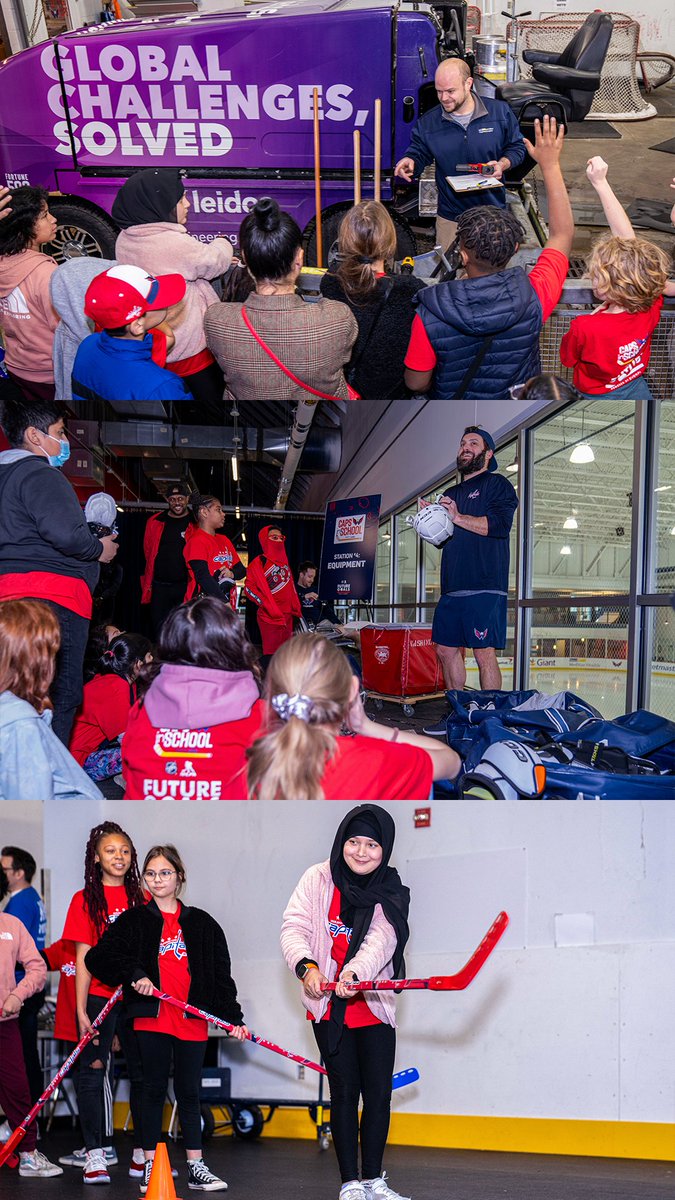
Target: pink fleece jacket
164,247
27,318
17,946
305,934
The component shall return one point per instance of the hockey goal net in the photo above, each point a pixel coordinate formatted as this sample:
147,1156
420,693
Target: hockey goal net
618,97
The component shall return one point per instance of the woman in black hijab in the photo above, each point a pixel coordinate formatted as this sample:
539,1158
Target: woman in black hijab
152,210
348,919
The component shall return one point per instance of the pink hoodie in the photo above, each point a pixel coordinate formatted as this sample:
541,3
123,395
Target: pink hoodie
165,246
16,945
188,697
27,318
305,934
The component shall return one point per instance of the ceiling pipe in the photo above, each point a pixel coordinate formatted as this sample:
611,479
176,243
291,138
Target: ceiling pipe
304,415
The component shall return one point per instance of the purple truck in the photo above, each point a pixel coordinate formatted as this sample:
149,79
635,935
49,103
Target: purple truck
228,98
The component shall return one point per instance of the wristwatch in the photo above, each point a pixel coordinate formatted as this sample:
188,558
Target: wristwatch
304,966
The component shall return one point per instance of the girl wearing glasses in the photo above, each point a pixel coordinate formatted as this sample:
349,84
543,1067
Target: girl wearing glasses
182,951
111,886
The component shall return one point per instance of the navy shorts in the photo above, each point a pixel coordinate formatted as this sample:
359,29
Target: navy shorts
473,621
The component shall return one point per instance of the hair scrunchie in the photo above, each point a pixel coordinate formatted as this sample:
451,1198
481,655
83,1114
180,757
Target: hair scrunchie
292,706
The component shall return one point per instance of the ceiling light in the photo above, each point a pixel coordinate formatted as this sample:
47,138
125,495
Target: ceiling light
512,468
237,513
235,468
672,532
565,549
664,488
571,523
583,453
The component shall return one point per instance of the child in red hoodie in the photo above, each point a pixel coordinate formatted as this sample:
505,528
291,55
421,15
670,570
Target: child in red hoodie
269,584
187,737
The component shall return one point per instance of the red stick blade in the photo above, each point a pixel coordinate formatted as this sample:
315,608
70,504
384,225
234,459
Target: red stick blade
7,1151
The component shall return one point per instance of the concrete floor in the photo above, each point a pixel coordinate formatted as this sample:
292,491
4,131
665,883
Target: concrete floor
635,170
274,1169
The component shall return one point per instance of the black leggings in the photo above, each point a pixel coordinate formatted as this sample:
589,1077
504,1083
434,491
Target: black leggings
362,1066
91,1080
188,1058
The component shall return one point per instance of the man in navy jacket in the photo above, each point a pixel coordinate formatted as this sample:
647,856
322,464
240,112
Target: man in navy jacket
474,567
463,128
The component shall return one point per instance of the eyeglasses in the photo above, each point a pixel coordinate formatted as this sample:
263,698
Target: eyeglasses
165,874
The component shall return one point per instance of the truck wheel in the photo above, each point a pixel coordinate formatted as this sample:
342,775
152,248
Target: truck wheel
80,234
247,1120
406,246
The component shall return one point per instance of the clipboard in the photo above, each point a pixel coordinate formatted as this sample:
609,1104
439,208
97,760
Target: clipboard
472,183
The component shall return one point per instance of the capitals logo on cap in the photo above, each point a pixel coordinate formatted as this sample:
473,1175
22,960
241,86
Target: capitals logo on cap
120,295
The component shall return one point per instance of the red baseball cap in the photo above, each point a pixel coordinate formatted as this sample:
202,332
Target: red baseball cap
123,293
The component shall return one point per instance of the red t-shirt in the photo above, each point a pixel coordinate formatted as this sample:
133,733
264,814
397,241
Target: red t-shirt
61,957
188,764
103,714
216,550
43,585
547,278
80,928
174,978
367,768
357,1013
608,350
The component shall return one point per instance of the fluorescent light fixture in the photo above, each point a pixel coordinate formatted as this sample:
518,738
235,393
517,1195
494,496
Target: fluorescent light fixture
512,468
119,509
571,523
565,550
235,469
665,487
583,453
243,537
237,513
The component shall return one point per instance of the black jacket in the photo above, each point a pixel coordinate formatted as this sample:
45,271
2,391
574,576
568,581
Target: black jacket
129,950
42,527
384,333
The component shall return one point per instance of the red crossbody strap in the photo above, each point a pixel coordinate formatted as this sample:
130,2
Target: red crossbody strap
286,371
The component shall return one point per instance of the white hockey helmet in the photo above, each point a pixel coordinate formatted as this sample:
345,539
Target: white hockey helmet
507,771
433,524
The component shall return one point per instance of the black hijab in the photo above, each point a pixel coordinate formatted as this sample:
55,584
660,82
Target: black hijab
148,196
360,893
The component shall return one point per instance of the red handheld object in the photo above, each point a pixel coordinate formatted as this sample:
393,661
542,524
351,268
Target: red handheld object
7,1151
476,168
439,983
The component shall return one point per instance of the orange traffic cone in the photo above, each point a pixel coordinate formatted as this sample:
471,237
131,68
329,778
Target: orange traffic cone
161,1185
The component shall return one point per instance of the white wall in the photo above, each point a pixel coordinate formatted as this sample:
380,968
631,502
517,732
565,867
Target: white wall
656,20
550,1028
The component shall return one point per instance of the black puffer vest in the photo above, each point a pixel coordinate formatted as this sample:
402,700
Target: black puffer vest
459,316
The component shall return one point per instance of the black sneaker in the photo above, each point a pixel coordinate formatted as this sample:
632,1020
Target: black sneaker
200,1179
439,730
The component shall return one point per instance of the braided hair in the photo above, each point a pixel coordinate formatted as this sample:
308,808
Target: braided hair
196,501
490,234
94,897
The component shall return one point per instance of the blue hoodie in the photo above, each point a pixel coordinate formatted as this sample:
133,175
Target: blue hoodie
111,368
34,764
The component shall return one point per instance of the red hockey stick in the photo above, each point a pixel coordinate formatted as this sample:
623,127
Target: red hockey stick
439,983
399,1080
7,1151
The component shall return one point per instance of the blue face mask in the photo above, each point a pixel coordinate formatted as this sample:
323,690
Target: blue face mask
57,460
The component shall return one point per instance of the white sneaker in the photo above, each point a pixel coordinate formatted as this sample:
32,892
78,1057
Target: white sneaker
36,1166
95,1168
378,1189
200,1179
353,1191
78,1157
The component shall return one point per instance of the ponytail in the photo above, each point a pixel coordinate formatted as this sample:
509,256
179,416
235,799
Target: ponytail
308,691
366,234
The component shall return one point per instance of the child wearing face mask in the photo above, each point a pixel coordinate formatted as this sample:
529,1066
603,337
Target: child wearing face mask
47,552
269,584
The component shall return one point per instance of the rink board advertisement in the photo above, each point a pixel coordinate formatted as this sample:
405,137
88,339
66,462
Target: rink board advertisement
349,548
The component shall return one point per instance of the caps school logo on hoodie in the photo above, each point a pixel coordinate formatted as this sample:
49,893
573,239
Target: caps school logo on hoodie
183,743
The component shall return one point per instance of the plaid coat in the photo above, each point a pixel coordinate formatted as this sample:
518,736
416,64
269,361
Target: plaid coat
313,340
